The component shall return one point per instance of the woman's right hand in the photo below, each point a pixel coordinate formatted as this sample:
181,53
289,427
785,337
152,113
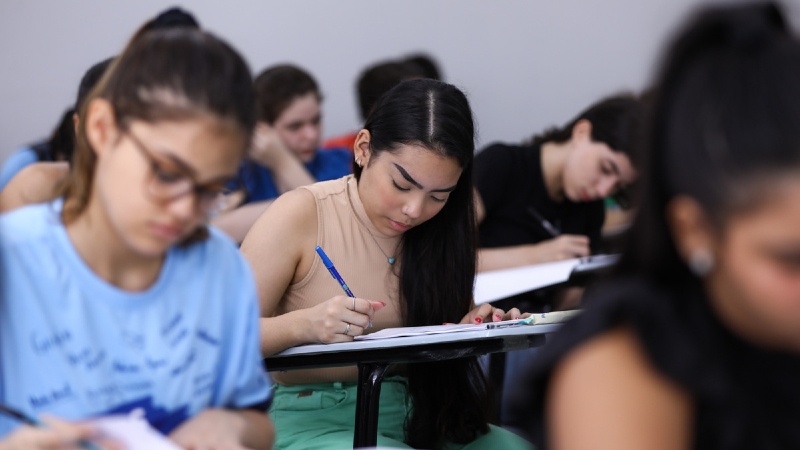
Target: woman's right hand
59,435
566,246
329,320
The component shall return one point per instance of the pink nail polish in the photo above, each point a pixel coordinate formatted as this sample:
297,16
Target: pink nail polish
383,303
498,316
516,318
478,320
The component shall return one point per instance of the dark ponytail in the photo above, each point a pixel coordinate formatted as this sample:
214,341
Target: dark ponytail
449,398
726,122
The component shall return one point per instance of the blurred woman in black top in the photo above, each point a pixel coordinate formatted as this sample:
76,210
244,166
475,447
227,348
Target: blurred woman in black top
695,343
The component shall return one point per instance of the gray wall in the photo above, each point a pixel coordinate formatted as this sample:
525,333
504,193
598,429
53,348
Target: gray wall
524,64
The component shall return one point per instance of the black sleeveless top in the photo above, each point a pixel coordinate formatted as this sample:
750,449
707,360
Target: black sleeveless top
745,397
510,181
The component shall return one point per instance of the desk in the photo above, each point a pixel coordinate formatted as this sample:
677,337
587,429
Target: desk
374,357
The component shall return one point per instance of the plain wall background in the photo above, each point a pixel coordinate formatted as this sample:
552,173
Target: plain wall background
525,64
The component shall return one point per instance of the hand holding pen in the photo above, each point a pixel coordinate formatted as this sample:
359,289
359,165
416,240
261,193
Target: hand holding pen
560,246
340,318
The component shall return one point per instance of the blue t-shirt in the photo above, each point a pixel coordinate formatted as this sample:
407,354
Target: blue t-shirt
327,165
75,346
14,163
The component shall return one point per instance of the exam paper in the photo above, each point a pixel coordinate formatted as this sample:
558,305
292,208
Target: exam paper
132,432
418,331
536,319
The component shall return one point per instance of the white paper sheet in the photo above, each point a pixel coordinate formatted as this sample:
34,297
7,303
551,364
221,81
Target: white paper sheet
132,432
417,331
497,284
537,319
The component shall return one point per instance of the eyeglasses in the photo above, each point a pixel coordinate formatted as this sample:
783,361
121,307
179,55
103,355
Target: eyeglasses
165,185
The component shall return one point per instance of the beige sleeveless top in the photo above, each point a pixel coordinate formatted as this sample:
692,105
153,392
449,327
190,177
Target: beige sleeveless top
343,231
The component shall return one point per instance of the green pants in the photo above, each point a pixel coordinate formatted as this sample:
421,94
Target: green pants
321,416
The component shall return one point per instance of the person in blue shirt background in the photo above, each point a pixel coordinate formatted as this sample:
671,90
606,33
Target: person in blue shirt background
59,146
288,108
116,297
285,152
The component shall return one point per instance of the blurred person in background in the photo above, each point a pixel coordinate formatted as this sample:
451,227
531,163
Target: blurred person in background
60,145
375,81
285,151
543,201
695,342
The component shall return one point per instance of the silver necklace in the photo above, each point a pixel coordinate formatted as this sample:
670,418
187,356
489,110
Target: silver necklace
390,259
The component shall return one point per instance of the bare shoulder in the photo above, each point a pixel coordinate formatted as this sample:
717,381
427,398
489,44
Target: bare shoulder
281,241
294,212
35,183
280,245
607,394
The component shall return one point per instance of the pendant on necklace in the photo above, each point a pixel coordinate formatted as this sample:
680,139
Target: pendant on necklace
391,260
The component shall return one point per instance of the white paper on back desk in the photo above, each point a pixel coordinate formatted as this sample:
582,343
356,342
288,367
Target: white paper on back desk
133,432
497,284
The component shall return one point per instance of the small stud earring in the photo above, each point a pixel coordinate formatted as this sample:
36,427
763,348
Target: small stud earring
701,262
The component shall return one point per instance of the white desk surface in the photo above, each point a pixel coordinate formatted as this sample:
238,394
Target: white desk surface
417,340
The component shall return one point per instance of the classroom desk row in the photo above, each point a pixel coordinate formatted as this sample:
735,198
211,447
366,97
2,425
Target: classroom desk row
374,357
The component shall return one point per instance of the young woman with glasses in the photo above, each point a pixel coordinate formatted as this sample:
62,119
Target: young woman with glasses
116,296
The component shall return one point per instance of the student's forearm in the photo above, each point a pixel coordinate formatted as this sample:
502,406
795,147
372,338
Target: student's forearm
284,331
565,246
507,257
258,431
237,223
289,173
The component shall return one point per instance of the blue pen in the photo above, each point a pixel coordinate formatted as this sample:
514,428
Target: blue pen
86,445
335,273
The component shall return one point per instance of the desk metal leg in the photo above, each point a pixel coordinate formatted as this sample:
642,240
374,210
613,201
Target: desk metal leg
370,376
497,372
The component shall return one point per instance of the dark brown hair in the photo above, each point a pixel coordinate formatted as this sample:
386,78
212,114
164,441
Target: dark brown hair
164,74
277,87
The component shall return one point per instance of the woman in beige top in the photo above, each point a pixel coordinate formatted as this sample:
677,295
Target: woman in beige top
401,232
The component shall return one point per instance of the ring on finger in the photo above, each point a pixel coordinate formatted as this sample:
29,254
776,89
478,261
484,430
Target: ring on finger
347,330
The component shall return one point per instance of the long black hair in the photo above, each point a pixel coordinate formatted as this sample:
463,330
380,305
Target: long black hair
61,144
726,120
449,399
